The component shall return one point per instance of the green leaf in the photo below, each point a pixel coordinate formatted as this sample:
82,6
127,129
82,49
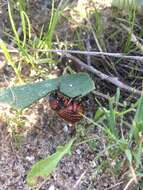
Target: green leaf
23,96
43,168
117,98
76,85
138,155
99,114
111,119
137,125
139,113
129,155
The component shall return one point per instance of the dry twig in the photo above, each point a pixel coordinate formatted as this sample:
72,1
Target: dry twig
79,180
92,53
88,47
87,53
113,80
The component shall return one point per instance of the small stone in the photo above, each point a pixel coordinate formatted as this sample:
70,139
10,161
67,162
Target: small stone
93,164
30,158
78,151
52,187
65,128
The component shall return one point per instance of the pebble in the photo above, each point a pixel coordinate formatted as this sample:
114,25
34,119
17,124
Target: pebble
65,128
52,187
30,158
78,151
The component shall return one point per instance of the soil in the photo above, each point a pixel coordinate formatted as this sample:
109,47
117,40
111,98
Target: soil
40,131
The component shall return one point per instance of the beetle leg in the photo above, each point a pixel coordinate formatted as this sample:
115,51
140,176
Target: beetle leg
69,101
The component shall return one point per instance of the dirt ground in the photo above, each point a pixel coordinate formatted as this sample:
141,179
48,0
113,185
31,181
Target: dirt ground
77,171
42,131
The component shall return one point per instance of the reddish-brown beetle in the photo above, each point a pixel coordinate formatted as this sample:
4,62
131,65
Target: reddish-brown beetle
68,109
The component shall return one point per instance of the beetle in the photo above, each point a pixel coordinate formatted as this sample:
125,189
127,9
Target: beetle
68,109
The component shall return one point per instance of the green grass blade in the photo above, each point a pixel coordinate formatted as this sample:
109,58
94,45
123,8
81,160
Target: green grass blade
138,155
13,24
139,113
128,155
9,59
137,125
23,24
28,25
111,119
55,16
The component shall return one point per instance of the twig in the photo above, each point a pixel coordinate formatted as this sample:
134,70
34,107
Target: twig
129,183
113,186
91,53
79,180
131,68
41,184
133,174
88,47
105,77
101,95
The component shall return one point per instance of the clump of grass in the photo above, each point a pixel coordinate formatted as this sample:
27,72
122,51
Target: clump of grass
22,37
121,140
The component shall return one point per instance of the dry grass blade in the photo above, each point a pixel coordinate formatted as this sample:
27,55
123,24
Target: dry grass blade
129,184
